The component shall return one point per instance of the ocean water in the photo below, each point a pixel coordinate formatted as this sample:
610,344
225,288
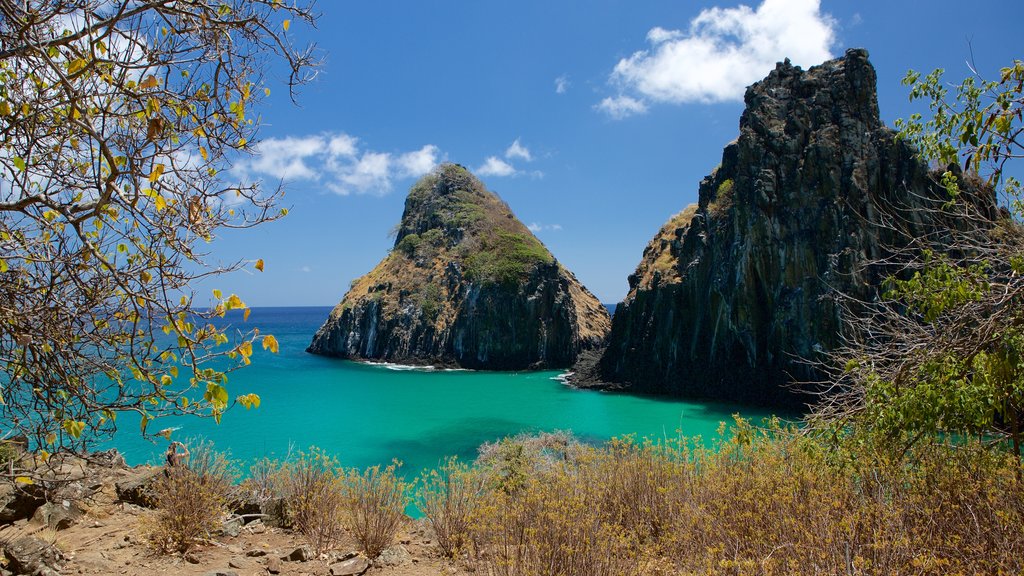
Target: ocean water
371,414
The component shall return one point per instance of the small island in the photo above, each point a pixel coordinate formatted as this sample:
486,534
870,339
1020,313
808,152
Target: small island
467,285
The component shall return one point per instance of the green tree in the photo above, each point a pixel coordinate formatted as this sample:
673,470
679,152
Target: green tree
118,119
942,351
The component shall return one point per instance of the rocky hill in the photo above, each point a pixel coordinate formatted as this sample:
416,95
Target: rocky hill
734,291
468,285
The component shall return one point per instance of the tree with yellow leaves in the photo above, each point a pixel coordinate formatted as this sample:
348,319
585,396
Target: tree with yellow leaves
118,119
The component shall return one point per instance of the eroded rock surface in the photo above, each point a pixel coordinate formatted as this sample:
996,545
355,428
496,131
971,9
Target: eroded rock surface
468,285
734,292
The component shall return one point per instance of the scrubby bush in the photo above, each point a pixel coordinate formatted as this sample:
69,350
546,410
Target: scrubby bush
775,500
314,504
191,499
375,504
505,258
446,497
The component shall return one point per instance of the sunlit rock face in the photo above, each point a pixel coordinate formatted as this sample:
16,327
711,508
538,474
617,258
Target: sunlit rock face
735,291
466,285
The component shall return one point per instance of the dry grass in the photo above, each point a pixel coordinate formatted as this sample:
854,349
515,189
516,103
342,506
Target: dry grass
191,501
375,499
311,489
768,501
446,496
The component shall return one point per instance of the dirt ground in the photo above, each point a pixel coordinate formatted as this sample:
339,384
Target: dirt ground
109,540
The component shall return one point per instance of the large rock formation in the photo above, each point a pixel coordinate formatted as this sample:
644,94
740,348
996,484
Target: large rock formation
733,292
465,285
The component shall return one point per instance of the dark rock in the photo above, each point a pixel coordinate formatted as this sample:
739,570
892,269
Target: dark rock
31,555
273,565
221,573
300,554
468,285
18,501
736,292
58,515
256,553
353,567
138,489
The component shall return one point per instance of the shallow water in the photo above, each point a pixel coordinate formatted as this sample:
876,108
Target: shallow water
370,414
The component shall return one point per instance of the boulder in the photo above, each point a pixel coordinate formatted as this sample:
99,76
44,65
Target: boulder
58,515
352,567
300,554
396,555
138,488
30,555
18,501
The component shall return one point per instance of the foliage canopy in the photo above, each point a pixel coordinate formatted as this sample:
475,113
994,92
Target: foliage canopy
118,119
941,354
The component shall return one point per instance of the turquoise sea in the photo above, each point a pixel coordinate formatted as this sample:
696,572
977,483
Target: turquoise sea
370,414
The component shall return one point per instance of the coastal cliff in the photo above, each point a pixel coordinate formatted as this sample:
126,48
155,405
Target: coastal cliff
734,293
467,285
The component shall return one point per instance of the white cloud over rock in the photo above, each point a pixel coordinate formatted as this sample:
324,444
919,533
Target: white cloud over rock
337,161
495,166
722,52
517,150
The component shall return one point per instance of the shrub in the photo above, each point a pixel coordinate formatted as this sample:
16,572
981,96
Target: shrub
312,492
408,245
506,258
376,499
446,497
191,500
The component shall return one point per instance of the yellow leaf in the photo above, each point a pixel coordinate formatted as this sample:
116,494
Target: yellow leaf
23,480
161,204
158,169
5,109
146,276
235,302
266,91
204,153
166,380
270,343
245,315
51,438
149,82
259,264
218,294
25,109
286,25
76,65
245,349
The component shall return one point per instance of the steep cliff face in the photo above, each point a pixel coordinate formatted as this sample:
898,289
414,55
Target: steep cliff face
734,290
466,285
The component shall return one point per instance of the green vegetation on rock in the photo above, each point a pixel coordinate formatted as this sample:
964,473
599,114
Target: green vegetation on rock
505,258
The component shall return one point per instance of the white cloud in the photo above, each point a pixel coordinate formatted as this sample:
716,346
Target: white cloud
621,106
335,160
305,269
535,227
419,162
561,84
722,52
495,166
517,150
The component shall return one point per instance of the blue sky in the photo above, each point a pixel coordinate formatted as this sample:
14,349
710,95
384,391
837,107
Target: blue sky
595,120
